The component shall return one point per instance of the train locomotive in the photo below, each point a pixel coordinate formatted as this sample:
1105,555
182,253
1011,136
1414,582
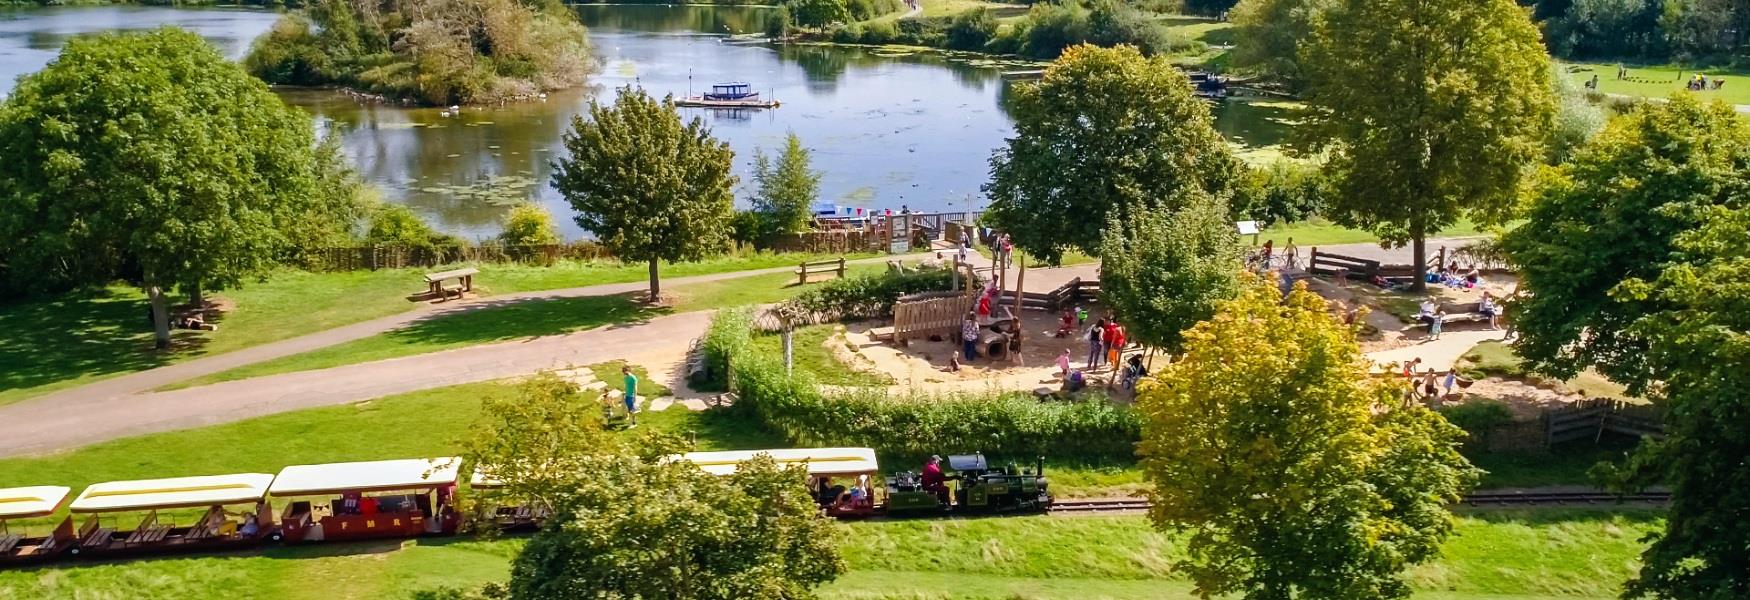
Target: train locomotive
981,488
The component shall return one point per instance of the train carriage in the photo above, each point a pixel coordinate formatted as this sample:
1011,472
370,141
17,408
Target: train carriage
17,544
155,503
826,468
528,516
374,499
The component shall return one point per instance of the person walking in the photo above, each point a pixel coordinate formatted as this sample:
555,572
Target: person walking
1115,349
1435,323
969,337
1063,363
631,383
1450,381
1095,347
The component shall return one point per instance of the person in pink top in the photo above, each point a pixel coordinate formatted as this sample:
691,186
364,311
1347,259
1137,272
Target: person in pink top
1063,363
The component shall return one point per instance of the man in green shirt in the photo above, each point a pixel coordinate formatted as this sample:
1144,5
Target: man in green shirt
631,394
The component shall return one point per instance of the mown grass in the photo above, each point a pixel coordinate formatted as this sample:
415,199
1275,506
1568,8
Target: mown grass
1661,81
525,319
59,342
1561,553
609,373
809,355
1498,359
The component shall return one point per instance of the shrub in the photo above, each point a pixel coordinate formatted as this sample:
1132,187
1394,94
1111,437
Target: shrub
880,32
729,334
1479,418
848,34
863,10
396,225
972,29
779,24
529,225
923,32
1052,27
865,296
1009,425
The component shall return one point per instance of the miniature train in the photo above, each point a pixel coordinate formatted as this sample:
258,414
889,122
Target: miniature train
417,497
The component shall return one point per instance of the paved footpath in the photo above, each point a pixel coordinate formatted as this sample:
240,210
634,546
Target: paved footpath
125,406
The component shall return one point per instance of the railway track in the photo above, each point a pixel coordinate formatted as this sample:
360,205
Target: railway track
1478,499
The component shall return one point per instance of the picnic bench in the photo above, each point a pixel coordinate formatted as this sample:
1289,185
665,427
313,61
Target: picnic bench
464,282
824,267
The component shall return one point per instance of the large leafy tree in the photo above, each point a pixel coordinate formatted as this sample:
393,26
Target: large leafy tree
1634,263
1268,35
1700,344
1106,134
1296,473
151,157
630,522
1612,215
787,188
1432,110
1165,271
649,186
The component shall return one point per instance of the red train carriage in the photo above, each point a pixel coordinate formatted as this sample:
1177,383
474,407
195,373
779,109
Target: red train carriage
376,499
18,544
151,508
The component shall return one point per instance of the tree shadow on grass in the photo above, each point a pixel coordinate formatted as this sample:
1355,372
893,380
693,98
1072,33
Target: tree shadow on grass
493,321
80,334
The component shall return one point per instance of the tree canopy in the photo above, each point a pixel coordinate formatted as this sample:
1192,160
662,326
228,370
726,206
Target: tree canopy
432,51
1106,134
1633,262
628,522
1268,35
785,188
1612,215
148,156
650,187
1163,272
1296,473
528,224
1431,109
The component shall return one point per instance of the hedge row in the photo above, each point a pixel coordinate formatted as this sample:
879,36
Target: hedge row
1014,426
865,297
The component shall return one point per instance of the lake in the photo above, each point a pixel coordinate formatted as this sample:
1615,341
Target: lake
888,127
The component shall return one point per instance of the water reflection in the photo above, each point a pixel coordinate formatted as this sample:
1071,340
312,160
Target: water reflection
888,127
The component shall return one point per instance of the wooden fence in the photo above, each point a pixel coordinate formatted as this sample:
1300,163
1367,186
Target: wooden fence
845,241
929,313
1076,291
1591,418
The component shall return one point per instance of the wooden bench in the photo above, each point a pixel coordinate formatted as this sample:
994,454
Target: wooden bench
1462,312
93,534
464,282
9,541
698,369
825,267
150,531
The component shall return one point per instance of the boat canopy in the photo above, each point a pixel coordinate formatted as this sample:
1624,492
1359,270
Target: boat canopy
31,502
820,461
732,84
178,492
380,475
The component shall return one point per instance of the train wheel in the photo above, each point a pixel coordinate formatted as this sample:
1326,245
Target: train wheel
276,537
73,552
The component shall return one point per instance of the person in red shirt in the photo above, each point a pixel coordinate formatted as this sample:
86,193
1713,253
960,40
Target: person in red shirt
1109,337
934,481
1117,346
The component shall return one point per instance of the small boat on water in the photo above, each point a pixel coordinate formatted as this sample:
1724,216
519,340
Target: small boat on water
728,95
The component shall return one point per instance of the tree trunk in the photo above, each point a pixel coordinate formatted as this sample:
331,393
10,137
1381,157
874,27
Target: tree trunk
1419,247
655,283
194,297
160,317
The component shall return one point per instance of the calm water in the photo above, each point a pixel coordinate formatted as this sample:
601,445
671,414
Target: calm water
887,128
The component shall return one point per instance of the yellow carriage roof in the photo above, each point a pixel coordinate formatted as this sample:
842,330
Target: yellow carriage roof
820,461
35,501
380,475
177,492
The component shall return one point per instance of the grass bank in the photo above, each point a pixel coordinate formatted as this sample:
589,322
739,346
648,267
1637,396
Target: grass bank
72,339
1661,81
526,319
1571,553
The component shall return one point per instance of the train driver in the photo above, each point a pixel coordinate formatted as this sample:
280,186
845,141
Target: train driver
934,481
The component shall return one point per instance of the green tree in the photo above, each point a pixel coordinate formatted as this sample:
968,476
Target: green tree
1432,110
528,224
1163,272
1296,474
650,187
754,534
1268,35
149,156
818,13
786,188
1577,119
1612,215
1106,134
970,30
1700,346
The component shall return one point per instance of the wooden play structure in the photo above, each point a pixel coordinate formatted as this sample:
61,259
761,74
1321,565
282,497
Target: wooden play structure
934,313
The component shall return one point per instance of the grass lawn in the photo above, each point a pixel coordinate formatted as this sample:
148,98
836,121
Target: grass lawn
609,373
809,355
524,320
73,339
1570,553
949,8
1564,464
1662,81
